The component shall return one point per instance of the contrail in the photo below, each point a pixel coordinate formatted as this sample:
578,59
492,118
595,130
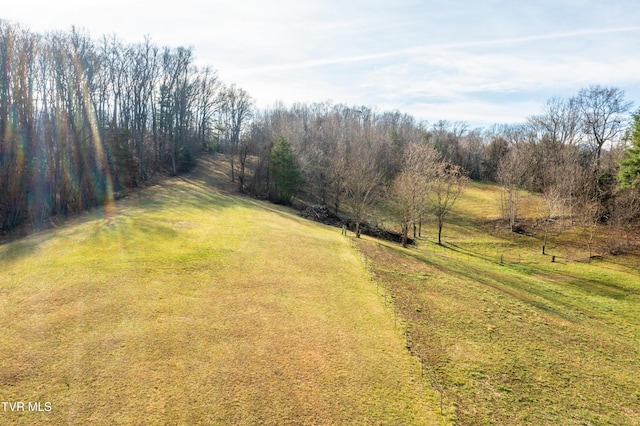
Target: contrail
414,50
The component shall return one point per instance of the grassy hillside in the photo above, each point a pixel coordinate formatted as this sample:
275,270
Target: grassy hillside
185,305
505,335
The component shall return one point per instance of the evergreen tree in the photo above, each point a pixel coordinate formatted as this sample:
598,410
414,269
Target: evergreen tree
284,175
629,173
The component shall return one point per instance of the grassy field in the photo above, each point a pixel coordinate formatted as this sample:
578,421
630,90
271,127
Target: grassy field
185,305
505,335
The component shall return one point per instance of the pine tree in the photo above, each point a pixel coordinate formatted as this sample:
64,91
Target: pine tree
284,175
629,173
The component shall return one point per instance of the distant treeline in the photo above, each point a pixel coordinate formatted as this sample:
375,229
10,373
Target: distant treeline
570,153
82,120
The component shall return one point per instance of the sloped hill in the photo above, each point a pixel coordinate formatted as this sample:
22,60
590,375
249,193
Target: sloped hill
183,304
507,335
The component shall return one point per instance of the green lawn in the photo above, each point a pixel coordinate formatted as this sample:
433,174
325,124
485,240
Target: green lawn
505,335
184,305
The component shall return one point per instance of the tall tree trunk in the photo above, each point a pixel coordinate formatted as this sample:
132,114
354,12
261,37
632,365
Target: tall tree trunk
405,231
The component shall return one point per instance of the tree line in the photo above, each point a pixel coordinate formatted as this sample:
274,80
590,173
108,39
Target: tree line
83,120
351,157
573,155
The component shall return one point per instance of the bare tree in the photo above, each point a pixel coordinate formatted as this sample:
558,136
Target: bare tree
625,212
338,178
409,190
444,190
553,203
510,176
550,136
143,73
403,197
176,92
362,182
560,123
589,214
445,138
235,112
603,115
207,105
421,160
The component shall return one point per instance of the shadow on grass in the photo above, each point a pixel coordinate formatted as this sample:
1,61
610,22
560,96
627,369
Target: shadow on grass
14,250
199,190
527,291
124,219
123,227
184,193
612,287
532,350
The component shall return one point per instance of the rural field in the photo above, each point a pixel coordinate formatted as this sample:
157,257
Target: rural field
184,305
320,214
505,335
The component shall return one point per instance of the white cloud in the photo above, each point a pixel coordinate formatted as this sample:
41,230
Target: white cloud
470,58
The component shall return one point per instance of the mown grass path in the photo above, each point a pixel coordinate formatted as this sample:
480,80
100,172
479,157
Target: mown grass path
183,305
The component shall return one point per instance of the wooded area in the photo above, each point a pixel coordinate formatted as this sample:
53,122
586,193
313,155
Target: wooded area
578,154
83,120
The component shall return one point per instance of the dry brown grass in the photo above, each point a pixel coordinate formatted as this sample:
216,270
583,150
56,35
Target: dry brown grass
188,306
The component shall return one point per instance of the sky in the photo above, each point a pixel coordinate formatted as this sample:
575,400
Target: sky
479,61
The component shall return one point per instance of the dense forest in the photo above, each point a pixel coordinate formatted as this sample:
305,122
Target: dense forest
82,121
